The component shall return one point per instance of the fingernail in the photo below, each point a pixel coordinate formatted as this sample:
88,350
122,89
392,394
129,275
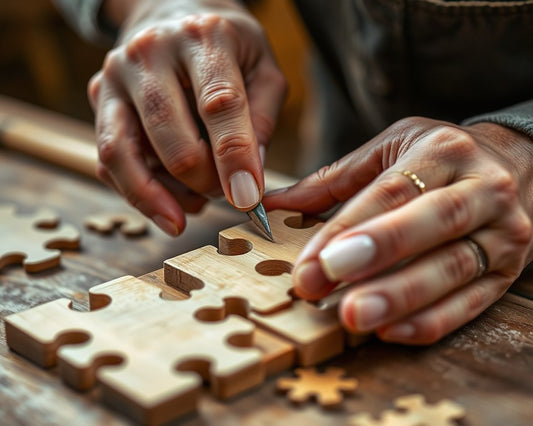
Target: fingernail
166,225
262,154
244,190
399,332
309,281
369,311
344,257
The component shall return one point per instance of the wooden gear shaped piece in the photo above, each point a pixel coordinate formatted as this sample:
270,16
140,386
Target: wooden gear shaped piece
148,354
327,388
414,412
33,239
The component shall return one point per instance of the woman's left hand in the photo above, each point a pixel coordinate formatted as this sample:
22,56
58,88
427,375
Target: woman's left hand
425,256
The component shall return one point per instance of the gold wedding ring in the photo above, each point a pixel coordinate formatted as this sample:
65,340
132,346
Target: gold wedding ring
415,179
481,256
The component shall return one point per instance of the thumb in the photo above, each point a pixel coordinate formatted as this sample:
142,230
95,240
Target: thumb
326,187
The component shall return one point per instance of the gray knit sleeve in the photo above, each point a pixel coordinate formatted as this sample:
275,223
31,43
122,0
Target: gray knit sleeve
518,117
84,16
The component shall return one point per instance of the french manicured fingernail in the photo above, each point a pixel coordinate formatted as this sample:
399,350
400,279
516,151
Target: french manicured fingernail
262,154
309,279
244,190
166,225
400,332
369,311
344,257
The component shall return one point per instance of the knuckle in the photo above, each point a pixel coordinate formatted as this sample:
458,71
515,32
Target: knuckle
199,26
452,143
107,149
140,47
232,144
413,294
393,190
157,107
453,212
184,159
93,88
220,98
112,63
460,264
504,187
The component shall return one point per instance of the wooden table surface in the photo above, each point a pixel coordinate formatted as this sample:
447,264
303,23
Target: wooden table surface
487,366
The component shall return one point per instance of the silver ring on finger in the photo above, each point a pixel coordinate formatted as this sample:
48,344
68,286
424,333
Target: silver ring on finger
481,256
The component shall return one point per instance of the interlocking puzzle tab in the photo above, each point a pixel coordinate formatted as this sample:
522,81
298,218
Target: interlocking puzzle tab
33,239
246,265
249,267
149,354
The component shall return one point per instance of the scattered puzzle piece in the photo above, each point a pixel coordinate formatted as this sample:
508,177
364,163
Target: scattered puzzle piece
33,239
327,387
414,412
130,224
148,354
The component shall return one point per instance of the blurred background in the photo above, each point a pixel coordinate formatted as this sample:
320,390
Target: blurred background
44,62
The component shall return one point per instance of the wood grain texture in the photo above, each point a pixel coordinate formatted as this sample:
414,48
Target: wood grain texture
483,366
148,354
34,239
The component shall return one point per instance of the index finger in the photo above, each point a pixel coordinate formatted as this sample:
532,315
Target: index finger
222,103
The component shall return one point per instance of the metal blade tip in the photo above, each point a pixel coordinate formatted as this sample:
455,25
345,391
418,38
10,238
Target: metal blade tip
260,218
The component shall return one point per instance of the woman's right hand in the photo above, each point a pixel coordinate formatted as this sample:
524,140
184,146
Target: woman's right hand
181,65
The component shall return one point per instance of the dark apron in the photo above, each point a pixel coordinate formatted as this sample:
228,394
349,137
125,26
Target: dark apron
388,59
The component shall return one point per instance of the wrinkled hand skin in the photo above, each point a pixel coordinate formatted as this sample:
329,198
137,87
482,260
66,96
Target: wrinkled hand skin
415,278
180,66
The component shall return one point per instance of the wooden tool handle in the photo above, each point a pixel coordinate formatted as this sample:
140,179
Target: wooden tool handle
49,136
65,141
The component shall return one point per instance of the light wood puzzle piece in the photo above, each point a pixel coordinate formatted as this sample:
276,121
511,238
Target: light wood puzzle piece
257,271
246,265
130,224
414,412
316,334
327,388
148,354
33,239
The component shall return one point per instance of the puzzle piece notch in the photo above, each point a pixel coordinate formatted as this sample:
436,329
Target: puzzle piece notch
130,224
327,388
412,410
34,239
246,264
156,348
291,231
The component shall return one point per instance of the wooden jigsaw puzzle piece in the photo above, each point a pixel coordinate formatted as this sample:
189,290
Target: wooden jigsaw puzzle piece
291,231
141,348
229,276
316,334
129,223
33,239
246,265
